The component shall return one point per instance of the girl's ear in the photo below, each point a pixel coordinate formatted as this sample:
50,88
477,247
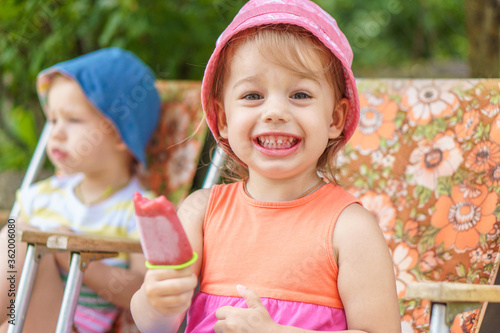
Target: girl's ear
338,118
221,119
121,146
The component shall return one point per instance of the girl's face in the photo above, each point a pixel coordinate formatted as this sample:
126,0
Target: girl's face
81,140
278,122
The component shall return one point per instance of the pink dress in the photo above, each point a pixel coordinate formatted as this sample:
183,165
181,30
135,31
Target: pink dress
282,250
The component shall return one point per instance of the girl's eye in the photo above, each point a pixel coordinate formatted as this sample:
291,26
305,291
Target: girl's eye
301,95
74,120
252,96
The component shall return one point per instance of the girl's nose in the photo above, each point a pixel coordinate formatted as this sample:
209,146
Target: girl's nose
276,110
58,131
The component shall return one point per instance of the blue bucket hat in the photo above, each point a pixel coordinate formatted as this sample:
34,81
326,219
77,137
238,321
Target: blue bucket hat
120,86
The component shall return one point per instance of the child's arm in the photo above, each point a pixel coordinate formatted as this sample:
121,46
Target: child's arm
161,302
366,279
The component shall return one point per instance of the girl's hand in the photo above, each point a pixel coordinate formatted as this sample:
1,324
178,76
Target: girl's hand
254,319
169,291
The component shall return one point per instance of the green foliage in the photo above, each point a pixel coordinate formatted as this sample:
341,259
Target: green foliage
176,37
22,125
396,32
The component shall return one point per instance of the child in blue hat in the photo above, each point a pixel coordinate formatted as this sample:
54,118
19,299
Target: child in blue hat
103,107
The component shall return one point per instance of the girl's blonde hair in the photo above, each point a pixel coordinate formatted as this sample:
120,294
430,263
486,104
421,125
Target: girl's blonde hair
288,46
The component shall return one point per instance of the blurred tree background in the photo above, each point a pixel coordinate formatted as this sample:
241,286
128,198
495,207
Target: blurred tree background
390,38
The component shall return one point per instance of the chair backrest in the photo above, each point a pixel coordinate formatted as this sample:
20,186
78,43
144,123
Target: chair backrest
425,161
175,148
173,153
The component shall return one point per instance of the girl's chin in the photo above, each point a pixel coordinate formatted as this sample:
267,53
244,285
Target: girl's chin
65,168
275,169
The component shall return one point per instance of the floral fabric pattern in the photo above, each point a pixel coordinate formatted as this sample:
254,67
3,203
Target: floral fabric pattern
425,161
376,122
424,101
175,148
173,153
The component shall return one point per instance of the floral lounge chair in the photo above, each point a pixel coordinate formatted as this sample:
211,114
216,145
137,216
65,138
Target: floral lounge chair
173,156
425,161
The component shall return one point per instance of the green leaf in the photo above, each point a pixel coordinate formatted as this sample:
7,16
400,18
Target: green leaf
420,131
363,169
423,193
495,99
444,186
427,239
417,273
413,213
461,270
382,183
399,229
400,117
497,212
482,239
383,144
359,182
471,276
480,131
395,147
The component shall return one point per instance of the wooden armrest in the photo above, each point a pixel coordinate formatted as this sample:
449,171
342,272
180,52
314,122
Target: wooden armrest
78,242
32,236
453,292
86,243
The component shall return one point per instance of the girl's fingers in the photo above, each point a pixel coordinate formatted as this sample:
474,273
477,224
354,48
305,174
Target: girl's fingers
171,286
170,291
250,296
172,304
224,311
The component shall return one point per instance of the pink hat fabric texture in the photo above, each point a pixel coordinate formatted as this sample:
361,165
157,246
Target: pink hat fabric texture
303,13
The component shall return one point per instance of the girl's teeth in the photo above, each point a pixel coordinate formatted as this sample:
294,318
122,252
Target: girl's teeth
277,142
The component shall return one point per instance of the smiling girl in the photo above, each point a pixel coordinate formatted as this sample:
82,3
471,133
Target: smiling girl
284,249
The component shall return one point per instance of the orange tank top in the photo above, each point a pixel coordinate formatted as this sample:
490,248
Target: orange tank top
282,250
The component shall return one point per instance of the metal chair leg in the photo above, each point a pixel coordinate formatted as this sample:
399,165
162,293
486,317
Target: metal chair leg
26,282
438,322
71,293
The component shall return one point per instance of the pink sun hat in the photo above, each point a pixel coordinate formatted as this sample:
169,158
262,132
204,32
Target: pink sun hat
303,13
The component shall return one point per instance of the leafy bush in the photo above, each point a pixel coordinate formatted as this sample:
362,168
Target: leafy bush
176,37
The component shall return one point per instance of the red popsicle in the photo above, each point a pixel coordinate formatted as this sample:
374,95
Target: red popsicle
162,236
